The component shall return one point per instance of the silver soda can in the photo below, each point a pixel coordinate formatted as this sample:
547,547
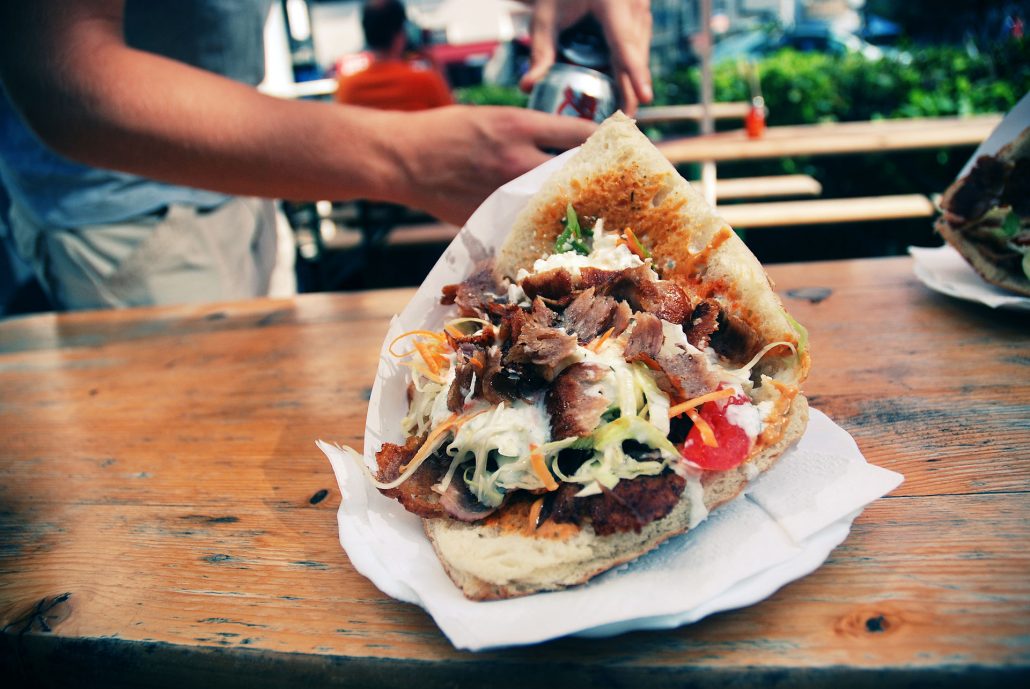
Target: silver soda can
575,91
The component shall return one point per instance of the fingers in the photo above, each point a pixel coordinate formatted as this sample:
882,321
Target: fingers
544,32
550,132
630,102
627,28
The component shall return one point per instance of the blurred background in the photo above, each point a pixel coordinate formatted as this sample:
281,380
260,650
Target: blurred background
812,61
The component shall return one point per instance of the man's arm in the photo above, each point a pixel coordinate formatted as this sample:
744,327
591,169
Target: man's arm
94,99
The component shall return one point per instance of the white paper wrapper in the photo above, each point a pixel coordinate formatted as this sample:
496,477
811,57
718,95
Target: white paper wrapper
781,528
944,270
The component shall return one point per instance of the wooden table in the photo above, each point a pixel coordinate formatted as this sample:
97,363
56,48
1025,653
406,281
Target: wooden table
166,519
832,138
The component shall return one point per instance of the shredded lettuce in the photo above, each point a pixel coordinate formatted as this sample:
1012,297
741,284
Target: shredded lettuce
800,330
495,446
658,403
610,463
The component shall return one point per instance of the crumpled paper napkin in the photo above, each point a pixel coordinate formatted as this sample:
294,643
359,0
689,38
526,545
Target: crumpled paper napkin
782,527
943,269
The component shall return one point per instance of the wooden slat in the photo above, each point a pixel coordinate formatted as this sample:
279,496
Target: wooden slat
826,211
765,187
691,112
832,138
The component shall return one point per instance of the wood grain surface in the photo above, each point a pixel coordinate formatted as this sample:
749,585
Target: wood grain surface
166,520
832,138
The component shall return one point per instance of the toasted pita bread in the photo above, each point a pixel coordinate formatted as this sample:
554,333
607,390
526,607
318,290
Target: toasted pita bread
619,176
970,236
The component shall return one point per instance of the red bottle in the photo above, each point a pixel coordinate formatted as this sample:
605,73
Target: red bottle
754,123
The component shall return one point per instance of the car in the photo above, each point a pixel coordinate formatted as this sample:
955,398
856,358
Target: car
815,37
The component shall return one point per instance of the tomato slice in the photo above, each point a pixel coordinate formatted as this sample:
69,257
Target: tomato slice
734,442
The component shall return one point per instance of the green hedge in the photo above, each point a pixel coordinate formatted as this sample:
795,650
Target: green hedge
803,88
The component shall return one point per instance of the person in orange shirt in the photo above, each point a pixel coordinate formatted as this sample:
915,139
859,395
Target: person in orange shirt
391,82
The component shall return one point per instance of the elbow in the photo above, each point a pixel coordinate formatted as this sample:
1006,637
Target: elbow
58,126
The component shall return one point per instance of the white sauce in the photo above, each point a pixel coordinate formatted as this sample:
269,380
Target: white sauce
605,253
746,417
696,494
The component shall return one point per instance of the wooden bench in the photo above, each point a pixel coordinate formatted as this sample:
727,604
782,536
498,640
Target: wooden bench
765,187
741,216
826,211
692,112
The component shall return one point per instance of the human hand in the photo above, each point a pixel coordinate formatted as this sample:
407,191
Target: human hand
627,28
450,159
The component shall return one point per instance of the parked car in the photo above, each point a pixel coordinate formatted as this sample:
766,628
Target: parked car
802,37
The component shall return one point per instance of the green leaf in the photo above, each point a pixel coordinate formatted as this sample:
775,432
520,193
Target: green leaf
1010,227
571,238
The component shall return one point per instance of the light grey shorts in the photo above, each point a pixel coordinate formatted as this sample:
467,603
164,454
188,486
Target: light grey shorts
179,256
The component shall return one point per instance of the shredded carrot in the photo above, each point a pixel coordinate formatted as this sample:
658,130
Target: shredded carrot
536,460
424,333
698,401
707,434
452,325
476,363
453,331
429,357
596,344
451,423
534,513
635,246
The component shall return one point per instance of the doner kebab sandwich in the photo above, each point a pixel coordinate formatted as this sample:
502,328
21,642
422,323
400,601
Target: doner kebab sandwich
619,369
986,216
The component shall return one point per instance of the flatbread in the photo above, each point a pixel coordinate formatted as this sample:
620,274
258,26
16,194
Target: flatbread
619,176
995,263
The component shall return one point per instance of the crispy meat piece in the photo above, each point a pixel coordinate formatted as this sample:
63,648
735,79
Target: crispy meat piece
663,298
735,339
703,321
683,376
416,494
635,503
552,284
645,338
1017,191
507,382
588,315
473,294
982,190
630,506
460,503
543,346
620,318
467,379
596,277
575,402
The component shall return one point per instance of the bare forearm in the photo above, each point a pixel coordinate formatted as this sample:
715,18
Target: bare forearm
141,113
94,99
